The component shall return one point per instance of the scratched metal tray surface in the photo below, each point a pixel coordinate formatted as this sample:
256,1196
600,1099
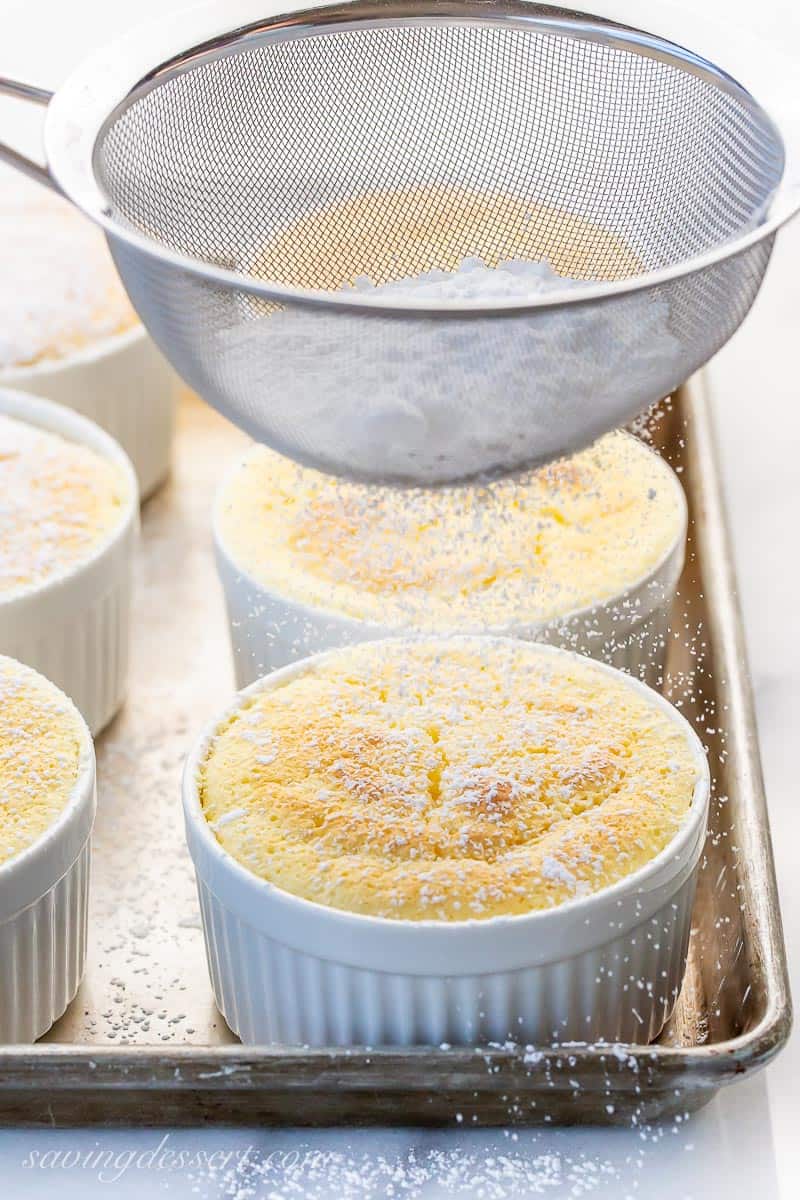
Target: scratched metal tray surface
143,1042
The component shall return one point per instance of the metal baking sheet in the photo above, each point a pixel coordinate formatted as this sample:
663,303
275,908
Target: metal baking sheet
143,1042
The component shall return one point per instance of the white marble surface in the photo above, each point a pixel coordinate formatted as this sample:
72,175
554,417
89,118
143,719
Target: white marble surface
746,1141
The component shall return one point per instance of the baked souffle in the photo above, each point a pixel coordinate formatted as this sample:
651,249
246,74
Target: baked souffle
518,551
42,741
59,290
58,502
447,779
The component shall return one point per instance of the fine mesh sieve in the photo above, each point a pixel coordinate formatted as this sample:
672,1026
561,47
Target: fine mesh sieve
246,181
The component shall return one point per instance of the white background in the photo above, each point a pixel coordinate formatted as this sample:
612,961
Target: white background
747,1141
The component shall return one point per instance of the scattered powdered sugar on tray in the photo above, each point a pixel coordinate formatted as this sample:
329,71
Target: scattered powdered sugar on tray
428,399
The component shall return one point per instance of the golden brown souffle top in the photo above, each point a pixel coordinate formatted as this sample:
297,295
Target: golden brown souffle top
448,779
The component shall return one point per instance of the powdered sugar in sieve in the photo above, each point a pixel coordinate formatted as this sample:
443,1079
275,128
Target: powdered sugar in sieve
372,386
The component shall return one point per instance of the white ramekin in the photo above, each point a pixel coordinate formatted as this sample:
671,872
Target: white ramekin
287,970
269,630
75,628
125,386
44,893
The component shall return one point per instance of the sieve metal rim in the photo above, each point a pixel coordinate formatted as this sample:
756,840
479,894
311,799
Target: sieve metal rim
112,79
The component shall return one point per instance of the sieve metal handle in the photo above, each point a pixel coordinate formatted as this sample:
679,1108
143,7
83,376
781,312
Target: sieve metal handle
26,91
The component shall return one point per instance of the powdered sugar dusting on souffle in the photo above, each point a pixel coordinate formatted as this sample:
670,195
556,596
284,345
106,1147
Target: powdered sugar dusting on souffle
59,291
517,551
41,744
448,779
58,501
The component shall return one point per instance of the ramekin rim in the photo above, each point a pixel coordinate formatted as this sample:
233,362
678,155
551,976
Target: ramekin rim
681,844
82,795
640,584
52,417
94,351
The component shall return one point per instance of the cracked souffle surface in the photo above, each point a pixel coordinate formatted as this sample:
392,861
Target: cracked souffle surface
447,779
58,501
518,551
41,741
